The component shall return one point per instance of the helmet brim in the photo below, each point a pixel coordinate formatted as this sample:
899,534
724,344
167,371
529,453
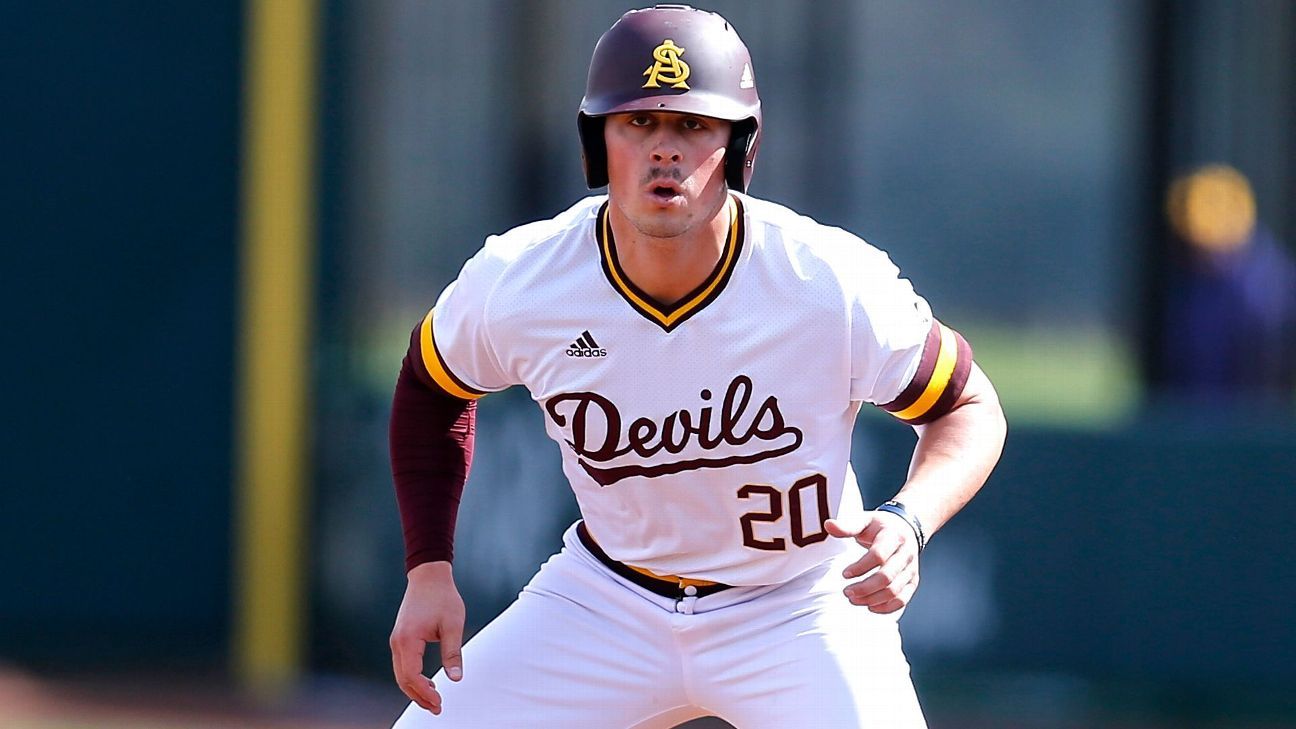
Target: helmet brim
701,103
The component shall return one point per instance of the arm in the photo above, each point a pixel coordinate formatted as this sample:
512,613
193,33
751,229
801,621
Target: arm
954,456
431,440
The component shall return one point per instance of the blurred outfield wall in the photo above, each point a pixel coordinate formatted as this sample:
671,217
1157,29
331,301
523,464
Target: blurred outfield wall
118,257
1011,157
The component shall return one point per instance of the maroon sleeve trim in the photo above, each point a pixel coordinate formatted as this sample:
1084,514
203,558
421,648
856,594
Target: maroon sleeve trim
926,366
431,441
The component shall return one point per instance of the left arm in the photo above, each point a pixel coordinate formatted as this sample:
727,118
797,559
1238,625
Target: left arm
952,460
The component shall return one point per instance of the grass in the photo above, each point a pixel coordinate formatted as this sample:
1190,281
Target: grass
1075,376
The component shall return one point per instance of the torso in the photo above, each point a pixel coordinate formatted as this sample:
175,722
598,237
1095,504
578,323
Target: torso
709,439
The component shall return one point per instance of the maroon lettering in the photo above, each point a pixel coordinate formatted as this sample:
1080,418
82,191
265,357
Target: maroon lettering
705,438
669,428
731,411
773,514
641,434
820,485
580,422
588,412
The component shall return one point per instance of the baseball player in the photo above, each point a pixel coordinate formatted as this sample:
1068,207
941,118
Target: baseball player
699,356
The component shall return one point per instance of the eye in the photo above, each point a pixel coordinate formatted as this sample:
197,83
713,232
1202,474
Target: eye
639,120
693,124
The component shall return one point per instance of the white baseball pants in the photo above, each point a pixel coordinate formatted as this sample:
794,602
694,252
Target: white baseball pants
583,648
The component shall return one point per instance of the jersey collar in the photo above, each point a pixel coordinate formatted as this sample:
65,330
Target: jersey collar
670,316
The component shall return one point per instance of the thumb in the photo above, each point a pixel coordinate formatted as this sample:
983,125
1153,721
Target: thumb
451,654
837,529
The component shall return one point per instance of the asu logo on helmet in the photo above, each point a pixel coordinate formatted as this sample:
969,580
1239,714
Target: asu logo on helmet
667,66
672,58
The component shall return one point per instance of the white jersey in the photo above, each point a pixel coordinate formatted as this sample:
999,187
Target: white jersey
708,439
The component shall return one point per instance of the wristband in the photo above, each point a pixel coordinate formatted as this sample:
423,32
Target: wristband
897,508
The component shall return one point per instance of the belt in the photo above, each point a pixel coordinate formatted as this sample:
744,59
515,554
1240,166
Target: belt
672,586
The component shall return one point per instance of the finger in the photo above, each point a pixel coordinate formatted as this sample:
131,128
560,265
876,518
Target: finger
880,587
889,593
887,607
871,529
898,602
863,532
422,692
882,549
899,569
837,529
451,651
407,664
886,583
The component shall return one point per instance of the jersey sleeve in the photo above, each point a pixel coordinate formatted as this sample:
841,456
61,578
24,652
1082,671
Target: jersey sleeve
451,347
903,359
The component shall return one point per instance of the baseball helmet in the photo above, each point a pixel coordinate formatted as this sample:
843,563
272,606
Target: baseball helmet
672,58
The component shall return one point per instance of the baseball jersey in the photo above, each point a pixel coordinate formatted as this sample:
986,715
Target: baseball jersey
710,438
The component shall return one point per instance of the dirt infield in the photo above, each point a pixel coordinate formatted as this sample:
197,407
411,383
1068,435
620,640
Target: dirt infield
31,702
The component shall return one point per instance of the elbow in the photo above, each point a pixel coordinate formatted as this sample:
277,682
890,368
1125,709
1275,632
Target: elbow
986,411
996,422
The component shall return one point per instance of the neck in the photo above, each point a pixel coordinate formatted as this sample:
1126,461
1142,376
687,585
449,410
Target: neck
669,268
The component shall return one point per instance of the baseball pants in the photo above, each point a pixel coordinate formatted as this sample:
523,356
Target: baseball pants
583,647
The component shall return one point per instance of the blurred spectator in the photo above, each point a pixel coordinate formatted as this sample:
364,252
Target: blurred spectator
1230,324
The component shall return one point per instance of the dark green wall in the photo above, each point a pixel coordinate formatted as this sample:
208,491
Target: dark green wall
119,248
1155,551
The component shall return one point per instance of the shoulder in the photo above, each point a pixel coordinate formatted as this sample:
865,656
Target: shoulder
531,239
509,260
533,245
779,230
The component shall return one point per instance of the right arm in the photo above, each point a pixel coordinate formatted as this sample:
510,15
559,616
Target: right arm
449,365
431,440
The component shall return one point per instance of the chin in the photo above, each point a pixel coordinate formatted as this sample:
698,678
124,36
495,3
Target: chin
655,227
657,221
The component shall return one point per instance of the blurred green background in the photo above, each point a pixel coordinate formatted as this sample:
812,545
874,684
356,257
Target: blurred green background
1126,566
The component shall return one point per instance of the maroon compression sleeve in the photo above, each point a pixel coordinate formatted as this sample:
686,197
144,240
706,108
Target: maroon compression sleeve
431,439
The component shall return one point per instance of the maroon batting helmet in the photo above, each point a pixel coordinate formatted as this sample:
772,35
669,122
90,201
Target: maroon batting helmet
672,58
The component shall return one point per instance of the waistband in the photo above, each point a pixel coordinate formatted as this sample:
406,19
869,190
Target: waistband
671,586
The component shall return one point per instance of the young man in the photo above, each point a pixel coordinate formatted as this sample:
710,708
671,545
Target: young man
699,356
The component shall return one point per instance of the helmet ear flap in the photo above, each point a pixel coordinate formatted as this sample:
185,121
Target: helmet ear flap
740,155
593,150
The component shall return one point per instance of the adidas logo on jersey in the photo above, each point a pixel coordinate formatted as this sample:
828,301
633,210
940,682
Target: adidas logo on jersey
585,346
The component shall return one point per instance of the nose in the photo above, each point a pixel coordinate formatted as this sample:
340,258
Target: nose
666,155
665,149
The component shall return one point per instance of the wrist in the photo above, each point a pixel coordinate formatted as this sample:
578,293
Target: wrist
430,572
897,508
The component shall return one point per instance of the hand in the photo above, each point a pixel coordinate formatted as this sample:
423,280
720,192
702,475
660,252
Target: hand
432,611
890,562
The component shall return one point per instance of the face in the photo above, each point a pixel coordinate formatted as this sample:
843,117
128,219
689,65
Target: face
666,169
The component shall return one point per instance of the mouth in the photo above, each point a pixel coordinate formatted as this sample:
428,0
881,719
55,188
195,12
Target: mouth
665,192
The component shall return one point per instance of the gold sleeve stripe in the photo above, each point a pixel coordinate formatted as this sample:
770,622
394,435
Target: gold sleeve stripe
435,367
940,378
